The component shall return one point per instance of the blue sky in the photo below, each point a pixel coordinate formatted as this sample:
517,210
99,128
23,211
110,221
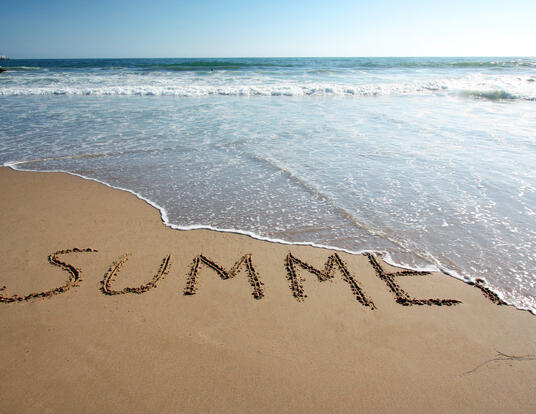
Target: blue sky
239,28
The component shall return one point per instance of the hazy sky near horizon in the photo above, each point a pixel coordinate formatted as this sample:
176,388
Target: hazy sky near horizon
240,28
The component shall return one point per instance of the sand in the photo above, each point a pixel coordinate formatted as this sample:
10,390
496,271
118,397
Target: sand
107,310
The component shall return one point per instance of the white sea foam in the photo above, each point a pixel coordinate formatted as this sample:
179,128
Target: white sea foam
252,91
477,86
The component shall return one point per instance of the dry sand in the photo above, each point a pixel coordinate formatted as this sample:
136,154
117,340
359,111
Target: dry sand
174,327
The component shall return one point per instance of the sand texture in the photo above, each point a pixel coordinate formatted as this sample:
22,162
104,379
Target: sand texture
104,309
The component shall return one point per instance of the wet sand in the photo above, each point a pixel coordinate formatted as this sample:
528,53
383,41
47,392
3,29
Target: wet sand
107,310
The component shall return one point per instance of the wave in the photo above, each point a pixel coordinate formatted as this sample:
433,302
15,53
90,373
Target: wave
23,68
281,90
497,64
206,64
442,63
66,65
497,95
329,64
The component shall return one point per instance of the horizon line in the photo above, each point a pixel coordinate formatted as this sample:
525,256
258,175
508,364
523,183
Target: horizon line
282,57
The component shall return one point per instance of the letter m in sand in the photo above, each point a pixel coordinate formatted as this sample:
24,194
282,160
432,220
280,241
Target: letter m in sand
253,277
296,282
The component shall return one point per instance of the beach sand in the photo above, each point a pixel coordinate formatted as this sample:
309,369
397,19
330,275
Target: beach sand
173,327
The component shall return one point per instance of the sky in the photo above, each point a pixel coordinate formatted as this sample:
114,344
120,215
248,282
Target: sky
268,28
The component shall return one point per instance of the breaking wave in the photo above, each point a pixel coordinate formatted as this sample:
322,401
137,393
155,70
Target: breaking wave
498,95
281,90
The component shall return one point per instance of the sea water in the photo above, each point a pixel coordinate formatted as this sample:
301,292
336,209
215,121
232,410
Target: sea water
431,161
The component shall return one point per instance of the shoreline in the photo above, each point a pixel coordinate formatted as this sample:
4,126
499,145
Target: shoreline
384,254
144,318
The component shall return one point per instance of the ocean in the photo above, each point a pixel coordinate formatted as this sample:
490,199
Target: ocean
430,161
